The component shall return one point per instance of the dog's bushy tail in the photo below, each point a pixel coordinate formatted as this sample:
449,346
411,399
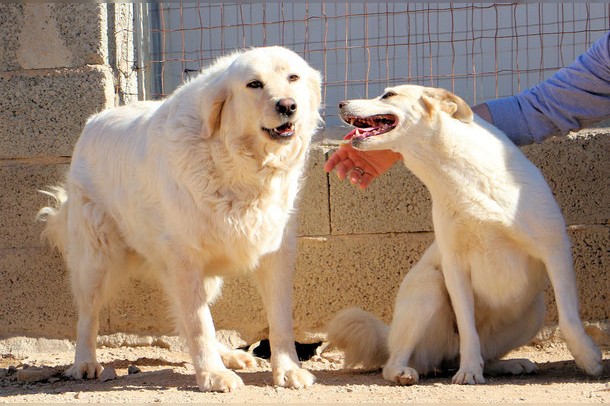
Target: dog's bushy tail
362,337
56,217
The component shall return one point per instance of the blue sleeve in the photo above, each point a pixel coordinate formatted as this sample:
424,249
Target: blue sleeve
573,98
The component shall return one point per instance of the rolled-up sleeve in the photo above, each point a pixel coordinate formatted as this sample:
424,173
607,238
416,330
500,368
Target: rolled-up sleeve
573,98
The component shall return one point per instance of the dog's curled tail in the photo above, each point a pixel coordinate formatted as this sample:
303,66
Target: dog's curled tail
56,218
362,337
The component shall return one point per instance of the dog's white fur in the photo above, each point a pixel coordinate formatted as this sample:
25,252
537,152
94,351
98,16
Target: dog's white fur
193,188
498,233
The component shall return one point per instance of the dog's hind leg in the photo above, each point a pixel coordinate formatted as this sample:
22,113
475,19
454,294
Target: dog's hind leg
94,249
499,342
558,261
422,333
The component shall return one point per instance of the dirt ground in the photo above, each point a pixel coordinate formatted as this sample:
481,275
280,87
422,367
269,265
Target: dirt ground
166,377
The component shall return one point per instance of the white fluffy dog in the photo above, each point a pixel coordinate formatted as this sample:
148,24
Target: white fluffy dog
193,188
477,292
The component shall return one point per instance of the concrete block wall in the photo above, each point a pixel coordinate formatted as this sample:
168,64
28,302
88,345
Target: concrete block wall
375,236
57,67
354,246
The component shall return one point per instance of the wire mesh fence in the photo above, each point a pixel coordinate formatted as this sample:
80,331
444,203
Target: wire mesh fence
478,50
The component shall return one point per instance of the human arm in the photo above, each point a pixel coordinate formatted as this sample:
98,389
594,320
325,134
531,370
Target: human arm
573,98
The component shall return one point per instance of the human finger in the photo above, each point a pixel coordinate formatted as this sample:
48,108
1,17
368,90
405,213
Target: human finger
365,180
338,156
344,167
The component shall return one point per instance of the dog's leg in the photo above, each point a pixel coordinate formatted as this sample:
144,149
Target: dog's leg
192,293
498,342
515,366
462,301
94,250
275,282
421,333
558,263
89,303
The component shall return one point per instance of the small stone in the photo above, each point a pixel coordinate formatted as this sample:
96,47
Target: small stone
133,370
35,374
108,374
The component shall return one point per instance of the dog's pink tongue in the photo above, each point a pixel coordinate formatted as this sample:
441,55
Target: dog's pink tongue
286,128
350,134
364,132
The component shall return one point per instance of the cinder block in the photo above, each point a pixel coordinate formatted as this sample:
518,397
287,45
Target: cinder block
313,210
140,306
20,201
52,35
42,112
396,202
36,299
331,273
343,271
577,169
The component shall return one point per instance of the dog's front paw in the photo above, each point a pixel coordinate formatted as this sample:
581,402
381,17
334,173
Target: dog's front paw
468,376
294,378
84,369
238,359
218,381
400,375
588,357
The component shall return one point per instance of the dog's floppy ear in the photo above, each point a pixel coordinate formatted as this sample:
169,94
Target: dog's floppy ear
216,94
315,88
447,102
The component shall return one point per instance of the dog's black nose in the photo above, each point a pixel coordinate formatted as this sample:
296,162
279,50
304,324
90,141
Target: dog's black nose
286,106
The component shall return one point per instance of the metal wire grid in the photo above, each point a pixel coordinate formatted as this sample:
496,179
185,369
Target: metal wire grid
480,51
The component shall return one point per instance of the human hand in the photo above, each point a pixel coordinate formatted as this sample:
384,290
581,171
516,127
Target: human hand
362,166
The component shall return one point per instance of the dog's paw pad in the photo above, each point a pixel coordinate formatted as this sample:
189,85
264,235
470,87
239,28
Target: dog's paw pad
295,378
520,366
238,360
588,357
82,370
408,376
400,374
219,381
468,377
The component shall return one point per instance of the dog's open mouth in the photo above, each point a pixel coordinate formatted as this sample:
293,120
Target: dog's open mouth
282,133
370,126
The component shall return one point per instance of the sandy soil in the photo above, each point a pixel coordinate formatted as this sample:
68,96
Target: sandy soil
166,377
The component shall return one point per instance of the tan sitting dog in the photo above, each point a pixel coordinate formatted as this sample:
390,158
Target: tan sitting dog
499,234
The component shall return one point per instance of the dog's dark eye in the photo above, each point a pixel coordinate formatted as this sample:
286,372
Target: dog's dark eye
387,95
293,78
255,84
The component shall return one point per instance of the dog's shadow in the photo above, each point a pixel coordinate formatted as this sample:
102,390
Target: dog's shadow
548,373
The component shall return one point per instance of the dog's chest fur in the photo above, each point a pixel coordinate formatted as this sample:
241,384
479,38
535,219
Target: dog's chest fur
239,223
474,224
